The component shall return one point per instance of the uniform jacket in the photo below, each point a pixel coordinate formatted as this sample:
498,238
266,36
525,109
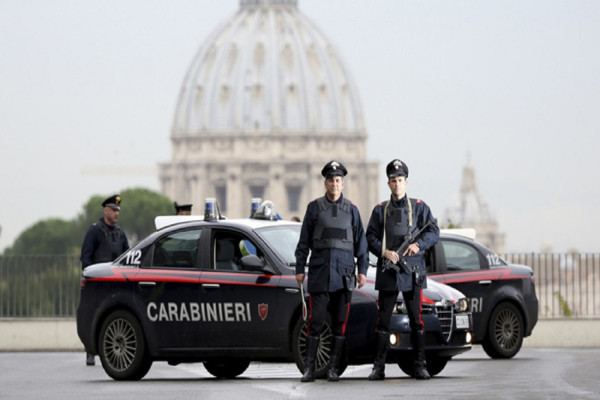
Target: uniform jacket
327,267
391,280
95,237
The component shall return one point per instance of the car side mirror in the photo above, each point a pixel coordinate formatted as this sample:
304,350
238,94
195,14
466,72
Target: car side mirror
251,262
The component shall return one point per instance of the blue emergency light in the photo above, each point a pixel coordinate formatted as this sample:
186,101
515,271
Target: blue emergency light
210,209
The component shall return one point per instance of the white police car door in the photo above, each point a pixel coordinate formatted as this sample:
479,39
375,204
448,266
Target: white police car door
240,308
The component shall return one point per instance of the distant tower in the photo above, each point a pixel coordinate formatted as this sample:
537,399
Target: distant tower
472,211
265,104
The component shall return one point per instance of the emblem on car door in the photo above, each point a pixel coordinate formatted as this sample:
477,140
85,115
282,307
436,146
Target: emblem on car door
263,310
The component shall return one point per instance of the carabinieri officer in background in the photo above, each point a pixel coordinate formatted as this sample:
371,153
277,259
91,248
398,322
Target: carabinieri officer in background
104,241
332,232
390,223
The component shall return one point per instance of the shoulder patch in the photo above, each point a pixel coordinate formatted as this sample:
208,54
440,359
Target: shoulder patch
419,201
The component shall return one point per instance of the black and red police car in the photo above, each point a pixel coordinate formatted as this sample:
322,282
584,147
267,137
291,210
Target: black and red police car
502,296
223,292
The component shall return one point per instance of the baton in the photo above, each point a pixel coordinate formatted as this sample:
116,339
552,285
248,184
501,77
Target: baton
304,312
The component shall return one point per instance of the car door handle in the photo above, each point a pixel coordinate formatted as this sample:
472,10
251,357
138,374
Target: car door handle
147,284
292,290
487,282
211,285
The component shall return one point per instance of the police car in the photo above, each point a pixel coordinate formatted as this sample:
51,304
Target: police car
502,296
223,292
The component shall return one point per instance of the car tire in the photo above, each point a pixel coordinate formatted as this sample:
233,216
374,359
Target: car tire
505,332
226,369
435,365
122,347
299,334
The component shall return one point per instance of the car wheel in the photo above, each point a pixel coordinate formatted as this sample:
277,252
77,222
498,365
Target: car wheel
435,365
227,369
122,347
323,353
505,332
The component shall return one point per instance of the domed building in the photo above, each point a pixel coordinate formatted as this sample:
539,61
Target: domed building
265,104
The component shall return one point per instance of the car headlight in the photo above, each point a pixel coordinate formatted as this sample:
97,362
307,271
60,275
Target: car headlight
462,305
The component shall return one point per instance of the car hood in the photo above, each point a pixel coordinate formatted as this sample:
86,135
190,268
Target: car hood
435,291
98,270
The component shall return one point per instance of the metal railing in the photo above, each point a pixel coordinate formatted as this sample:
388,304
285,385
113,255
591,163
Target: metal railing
39,286
567,284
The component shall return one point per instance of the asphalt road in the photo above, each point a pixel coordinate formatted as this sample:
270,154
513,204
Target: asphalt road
532,374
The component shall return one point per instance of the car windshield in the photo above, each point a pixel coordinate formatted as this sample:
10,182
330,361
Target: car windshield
283,240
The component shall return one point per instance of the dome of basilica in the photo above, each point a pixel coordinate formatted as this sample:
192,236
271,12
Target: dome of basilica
265,103
268,69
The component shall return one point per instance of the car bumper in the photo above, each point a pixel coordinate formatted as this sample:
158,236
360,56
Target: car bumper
443,341
84,327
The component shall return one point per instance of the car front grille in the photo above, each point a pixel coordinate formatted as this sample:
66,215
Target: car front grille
445,315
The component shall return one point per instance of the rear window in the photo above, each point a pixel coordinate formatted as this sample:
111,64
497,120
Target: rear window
460,256
178,250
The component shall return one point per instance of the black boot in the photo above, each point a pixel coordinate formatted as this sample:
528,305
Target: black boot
420,364
89,359
312,345
383,340
333,374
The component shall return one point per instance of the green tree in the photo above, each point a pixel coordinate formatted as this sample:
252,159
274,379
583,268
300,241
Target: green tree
50,236
139,207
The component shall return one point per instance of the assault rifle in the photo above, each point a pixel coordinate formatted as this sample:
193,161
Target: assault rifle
417,276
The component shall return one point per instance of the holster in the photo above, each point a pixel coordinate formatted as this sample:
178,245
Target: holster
350,282
418,277
349,285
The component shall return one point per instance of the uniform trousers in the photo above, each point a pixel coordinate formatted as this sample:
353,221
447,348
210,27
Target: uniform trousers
387,302
339,307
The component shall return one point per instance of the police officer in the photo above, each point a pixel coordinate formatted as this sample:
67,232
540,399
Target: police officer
104,241
391,221
182,209
332,232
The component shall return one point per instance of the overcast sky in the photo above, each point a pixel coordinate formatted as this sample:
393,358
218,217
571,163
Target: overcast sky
88,91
